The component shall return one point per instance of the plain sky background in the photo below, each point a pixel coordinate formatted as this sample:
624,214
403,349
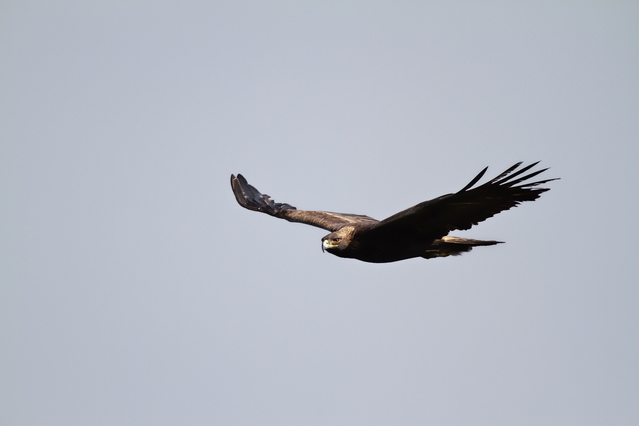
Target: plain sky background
135,291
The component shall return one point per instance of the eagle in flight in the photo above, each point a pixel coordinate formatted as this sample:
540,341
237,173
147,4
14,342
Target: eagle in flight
420,231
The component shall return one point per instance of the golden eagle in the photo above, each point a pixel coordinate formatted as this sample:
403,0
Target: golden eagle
420,231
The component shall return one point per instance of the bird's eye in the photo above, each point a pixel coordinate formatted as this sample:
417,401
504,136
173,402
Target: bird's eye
337,240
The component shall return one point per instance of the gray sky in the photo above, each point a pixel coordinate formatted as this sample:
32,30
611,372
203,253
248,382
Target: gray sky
135,291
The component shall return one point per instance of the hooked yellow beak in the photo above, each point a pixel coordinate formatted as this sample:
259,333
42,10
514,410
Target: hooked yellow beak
329,244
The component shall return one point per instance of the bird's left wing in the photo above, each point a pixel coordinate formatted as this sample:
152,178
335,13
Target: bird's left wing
465,208
250,198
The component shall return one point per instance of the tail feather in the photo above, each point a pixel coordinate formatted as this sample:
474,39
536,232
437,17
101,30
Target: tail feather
454,246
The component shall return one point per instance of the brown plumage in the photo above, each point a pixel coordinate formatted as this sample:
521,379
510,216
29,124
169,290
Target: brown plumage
420,231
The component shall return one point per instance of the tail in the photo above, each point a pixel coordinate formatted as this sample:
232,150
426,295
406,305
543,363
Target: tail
454,246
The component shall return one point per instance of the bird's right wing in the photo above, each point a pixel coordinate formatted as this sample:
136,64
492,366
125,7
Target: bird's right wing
250,198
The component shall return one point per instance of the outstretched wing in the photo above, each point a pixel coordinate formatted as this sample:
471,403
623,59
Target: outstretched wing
468,207
250,198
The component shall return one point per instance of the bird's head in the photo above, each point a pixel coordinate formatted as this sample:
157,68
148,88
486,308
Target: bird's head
337,242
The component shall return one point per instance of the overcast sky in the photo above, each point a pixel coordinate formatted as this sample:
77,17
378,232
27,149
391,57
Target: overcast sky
135,291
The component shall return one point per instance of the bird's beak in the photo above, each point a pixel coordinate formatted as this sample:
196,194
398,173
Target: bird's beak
328,244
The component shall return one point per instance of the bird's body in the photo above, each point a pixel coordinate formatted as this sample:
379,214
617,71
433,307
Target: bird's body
420,231
360,242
